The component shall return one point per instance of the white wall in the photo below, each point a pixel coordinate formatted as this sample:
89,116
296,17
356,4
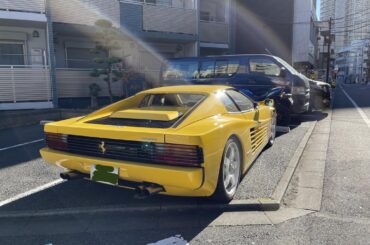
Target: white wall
303,12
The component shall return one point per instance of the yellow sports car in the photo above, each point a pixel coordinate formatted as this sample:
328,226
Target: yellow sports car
180,140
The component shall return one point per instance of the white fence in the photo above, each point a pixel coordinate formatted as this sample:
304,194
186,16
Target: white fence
24,84
23,5
74,83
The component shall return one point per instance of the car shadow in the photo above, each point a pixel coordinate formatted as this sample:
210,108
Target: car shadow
298,119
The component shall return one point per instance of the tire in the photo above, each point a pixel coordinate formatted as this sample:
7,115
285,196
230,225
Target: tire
230,172
273,130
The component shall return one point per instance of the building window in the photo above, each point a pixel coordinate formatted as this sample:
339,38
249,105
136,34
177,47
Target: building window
213,10
11,53
82,57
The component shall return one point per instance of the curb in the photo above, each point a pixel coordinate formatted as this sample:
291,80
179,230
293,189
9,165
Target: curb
260,204
289,172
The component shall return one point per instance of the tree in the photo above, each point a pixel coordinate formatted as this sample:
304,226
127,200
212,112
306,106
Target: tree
94,93
108,41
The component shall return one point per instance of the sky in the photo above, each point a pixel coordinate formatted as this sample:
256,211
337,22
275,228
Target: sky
318,9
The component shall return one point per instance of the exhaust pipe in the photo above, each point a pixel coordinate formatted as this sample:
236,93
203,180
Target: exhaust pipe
145,191
71,175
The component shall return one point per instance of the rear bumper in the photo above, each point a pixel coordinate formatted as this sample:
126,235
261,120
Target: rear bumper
181,181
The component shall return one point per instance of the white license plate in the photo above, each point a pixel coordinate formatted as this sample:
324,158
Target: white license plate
104,174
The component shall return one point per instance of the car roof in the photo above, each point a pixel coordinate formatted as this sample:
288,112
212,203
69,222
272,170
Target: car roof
187,89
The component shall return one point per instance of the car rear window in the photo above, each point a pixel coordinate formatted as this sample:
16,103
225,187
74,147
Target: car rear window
177,100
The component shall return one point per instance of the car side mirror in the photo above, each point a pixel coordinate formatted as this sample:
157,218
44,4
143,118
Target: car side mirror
283,73
256,106
269,102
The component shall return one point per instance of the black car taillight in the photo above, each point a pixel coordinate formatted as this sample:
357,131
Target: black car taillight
178,155
57,141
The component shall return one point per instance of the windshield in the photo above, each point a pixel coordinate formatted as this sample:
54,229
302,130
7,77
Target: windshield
287,66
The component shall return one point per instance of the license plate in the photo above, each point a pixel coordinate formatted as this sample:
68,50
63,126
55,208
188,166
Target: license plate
104,174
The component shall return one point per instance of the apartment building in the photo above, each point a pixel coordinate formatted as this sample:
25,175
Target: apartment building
151,31
305,35
25,77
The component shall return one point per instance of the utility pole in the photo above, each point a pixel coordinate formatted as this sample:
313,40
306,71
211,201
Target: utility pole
329,53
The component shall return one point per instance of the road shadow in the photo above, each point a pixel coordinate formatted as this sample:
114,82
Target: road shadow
134,227
298,119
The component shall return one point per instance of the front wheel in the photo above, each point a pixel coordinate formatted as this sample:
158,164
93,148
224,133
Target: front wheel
230,171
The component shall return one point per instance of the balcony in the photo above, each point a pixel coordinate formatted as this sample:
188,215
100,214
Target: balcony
169,19
156,19
84,12
33,6
214,21
214,32
24,84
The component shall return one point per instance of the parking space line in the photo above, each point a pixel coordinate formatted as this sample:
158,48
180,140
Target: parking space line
362,113
30,192
19,145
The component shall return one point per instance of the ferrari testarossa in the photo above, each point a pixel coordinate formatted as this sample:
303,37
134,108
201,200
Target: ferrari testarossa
179,140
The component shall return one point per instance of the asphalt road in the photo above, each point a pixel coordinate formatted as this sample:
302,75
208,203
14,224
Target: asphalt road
344,217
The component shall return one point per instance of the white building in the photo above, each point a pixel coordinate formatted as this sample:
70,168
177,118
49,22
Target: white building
304,34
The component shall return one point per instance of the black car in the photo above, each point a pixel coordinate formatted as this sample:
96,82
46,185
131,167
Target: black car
256,75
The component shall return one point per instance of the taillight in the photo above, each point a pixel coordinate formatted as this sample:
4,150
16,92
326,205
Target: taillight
178,155
57,141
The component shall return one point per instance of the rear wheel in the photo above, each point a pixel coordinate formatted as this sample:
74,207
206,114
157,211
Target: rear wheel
230,171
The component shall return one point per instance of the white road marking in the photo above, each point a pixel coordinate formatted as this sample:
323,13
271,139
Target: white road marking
30,192
19,145
362,113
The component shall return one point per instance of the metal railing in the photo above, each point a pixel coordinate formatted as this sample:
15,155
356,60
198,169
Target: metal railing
24,83
181,4
33,6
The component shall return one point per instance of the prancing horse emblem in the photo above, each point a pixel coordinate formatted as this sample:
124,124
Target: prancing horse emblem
102,147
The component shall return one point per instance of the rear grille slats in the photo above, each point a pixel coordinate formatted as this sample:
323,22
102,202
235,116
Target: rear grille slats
145,152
